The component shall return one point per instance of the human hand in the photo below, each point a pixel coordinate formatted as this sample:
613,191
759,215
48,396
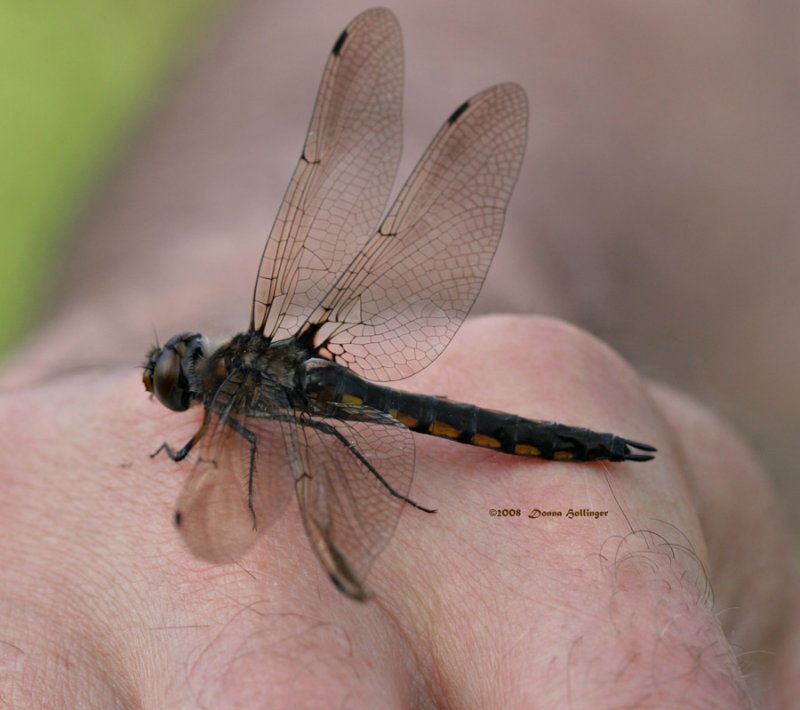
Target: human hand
102,603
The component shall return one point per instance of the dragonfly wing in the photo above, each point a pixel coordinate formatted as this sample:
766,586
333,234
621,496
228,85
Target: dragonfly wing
342,182
238,487
404,296
351,487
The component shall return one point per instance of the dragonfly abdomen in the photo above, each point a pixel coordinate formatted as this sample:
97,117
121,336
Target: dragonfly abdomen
470,424
508,433
487,428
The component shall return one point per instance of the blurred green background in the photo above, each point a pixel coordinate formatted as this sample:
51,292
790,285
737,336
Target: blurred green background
76,77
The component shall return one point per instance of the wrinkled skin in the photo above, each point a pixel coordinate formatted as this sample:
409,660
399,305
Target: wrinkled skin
101,602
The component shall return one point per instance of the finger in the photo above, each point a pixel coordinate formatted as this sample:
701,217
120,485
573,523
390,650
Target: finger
752,567
562,608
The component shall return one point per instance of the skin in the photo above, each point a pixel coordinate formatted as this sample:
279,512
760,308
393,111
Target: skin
101,603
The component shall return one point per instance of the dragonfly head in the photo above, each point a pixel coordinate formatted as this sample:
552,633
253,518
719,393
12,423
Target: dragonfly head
167,372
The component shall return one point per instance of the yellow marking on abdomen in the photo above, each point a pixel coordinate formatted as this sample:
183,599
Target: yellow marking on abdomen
483,440
526,450
442,429
351,399
563,455
404,419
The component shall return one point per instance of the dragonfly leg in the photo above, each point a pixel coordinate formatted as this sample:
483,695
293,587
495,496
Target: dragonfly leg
183,452
333,431
251,440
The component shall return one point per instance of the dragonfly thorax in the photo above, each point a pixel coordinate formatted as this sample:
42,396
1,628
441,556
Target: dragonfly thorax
249,364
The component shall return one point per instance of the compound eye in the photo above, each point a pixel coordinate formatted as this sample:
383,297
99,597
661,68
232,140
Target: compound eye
167,381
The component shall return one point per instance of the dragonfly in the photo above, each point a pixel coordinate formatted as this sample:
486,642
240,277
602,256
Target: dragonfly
340,306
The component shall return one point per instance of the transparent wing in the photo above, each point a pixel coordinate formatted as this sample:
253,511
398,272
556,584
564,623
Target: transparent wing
342,182
213,512
352,472
403,297
351,485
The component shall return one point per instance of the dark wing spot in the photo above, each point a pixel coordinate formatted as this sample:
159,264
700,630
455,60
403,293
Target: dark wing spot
336,583
458,113
337,48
